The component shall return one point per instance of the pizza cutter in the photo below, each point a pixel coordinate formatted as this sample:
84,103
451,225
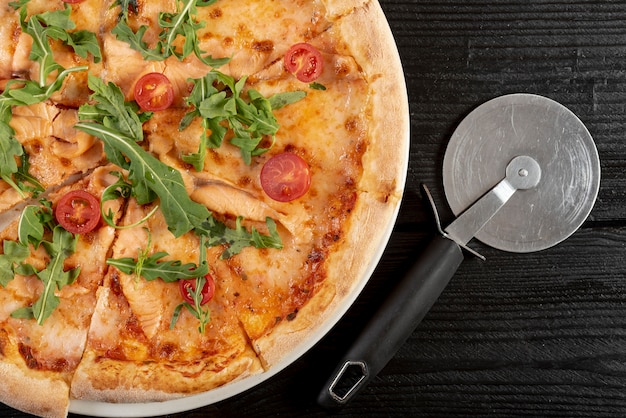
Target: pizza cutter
522,173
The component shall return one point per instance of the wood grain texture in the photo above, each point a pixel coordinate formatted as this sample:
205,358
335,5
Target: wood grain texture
540,334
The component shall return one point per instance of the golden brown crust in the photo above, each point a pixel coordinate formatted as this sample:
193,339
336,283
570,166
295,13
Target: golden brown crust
109,380
44,394
380,187
338,8
38,395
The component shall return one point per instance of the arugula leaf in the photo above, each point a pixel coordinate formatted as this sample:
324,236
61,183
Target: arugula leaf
25,180
183,24
10,149
317,86
236,239
150,178
126,6
53,276
153,267
216,99
111,110
33,222
14,254
120,189
55,25
203,315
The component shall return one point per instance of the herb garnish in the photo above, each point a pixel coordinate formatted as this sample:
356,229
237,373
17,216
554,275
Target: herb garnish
203,315
216,99
183,24
116,124
13,255
237,239
150,178
152,267
120,189
111,110
31,229
54,277
317,86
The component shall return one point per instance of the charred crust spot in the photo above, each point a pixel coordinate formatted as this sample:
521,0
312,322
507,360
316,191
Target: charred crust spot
59,365
37,147
116,287
316,256
352,124
166,350
291,316
263,46
244,181
294,149
266,142
90,237
187,166
65,162
133,326
134,7
27,354
216,13
114,354
360,147
387,190
341,69
348,200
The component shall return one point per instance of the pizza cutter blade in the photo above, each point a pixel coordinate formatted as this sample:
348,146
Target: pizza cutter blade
522,173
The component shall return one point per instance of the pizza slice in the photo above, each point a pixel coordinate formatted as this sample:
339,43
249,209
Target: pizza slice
149,338
326,131
49,278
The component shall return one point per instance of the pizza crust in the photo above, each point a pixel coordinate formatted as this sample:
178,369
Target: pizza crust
41,394
108,380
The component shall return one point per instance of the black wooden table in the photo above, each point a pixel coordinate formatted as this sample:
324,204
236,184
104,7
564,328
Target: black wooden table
539,334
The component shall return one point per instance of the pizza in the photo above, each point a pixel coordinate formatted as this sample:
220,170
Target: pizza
189,189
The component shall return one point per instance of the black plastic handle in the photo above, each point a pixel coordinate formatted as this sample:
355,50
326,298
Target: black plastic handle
394,321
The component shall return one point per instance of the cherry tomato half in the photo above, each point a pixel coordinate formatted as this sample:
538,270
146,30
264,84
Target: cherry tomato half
78,212
304,61
285,177
188,286
154,92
